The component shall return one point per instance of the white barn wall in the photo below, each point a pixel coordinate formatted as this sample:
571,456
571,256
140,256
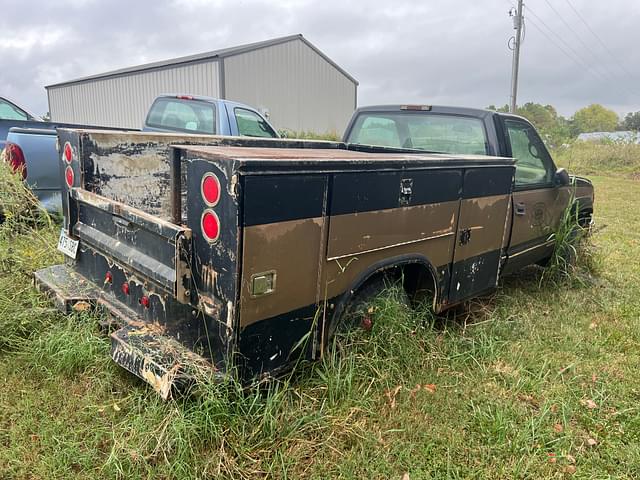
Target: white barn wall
123,100
300,89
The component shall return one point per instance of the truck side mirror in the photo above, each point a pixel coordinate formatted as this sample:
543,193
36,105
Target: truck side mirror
562,177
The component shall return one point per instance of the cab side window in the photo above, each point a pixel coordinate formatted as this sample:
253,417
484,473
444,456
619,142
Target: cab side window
533,163
251,124
9,112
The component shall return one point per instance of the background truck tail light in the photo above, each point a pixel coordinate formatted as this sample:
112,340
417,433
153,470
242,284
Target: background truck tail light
210,226
15,158
210,189
69,176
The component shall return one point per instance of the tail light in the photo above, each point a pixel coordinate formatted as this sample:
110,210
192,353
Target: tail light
125,288
210,189
15,158
210,224
144,301
69,176
68,152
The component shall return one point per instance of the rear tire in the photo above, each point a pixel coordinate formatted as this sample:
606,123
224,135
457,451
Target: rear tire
357,312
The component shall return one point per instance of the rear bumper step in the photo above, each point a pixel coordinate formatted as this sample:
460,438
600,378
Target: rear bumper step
143,348
65,287
161,361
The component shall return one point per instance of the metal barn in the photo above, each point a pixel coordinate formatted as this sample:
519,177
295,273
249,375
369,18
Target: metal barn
288,78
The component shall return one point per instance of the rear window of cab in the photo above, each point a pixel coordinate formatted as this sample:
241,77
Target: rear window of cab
175,114
439,133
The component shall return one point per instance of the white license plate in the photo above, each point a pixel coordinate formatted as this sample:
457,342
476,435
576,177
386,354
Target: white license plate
68,245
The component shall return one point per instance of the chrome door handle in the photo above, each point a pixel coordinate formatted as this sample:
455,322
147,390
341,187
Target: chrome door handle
520,208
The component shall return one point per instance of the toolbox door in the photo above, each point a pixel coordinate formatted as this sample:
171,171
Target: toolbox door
480,232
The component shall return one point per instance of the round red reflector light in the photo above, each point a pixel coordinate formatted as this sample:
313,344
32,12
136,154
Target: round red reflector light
144,301
210,225
210,189
68,176
125,288
68,153
108,278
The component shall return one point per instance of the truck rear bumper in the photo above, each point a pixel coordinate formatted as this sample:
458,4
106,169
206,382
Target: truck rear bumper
139,346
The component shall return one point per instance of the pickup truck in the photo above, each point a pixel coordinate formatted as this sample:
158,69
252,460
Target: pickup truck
538,199
11,115
237,257
34,150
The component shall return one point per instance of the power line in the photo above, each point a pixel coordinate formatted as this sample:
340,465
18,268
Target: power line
611,54
559,47
584,44
572,54
585,63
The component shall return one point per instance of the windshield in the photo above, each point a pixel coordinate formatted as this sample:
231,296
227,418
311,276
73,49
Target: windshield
420,130
183,115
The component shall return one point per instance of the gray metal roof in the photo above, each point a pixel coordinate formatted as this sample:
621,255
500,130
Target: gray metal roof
199,57
622,137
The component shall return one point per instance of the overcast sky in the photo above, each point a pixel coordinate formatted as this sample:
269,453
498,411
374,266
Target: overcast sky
422,51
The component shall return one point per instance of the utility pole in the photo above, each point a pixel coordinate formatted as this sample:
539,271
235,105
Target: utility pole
517,40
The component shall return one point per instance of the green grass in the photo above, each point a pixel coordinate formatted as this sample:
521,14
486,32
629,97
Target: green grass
540,380
600,158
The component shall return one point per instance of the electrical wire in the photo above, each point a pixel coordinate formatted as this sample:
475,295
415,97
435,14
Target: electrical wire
597,37
567,50
584,44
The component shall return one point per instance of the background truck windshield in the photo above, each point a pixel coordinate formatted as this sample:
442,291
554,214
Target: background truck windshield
181,115
424,131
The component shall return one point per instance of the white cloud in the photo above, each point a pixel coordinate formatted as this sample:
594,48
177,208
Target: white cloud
434,51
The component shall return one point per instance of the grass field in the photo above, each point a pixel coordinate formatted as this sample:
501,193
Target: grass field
541,380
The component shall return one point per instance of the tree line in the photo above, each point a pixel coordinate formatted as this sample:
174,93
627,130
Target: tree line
557,129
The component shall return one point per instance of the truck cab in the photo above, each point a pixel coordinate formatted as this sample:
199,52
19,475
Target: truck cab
541,190
206,115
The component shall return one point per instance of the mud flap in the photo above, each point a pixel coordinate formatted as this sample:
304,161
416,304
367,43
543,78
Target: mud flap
161,361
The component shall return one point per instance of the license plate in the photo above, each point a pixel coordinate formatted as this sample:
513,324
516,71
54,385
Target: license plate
68,245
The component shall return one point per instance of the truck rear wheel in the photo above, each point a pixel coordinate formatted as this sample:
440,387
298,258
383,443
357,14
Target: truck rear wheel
358,312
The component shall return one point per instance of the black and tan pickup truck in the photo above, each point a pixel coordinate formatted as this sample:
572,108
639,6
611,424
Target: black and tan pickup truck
239,256
537,201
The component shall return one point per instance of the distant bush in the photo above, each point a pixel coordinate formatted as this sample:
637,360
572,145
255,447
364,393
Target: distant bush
599,158
309,135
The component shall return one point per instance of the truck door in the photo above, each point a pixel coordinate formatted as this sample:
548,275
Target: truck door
481,229
537,202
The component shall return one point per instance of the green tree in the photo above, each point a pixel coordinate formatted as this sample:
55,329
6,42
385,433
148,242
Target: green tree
594,118
632,121
503,109
553,128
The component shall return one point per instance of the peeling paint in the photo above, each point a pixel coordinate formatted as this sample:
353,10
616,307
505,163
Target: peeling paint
160,383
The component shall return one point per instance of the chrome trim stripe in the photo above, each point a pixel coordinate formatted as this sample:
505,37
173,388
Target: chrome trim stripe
391,246
545,244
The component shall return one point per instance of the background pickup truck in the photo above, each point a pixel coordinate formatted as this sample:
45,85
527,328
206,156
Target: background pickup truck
34,150
537,201
11,115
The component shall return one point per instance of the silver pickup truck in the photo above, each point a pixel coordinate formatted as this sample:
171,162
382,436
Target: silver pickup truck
34,151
